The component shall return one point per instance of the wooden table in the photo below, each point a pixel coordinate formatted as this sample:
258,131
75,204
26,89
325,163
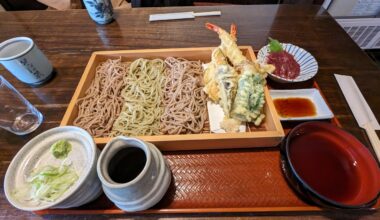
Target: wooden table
69,37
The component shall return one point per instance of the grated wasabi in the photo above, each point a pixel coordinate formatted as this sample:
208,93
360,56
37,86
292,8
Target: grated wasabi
61,149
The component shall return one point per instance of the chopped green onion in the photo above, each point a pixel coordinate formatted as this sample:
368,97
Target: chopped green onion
48,183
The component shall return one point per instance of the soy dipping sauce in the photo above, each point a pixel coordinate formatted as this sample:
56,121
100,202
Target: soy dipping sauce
126,164
294,107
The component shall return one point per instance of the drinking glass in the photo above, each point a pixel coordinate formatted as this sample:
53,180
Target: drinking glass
17,115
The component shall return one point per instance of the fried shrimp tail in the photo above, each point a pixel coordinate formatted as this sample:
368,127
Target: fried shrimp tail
228,44
241,93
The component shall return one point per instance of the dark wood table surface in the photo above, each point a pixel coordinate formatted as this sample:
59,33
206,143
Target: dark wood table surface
69,37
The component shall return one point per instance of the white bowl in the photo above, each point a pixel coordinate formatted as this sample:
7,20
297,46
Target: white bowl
36,153
308,64
144,190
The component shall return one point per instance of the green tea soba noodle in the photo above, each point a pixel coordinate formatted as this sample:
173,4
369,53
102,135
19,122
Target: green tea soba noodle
142,95
102,102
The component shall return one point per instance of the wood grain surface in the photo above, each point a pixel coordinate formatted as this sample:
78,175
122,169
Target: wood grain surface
69,37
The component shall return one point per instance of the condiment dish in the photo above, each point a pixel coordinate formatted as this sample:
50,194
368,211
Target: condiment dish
307,62
322,111
36,153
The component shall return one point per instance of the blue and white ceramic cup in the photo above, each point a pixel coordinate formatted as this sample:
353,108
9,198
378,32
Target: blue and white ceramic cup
100,11
21,57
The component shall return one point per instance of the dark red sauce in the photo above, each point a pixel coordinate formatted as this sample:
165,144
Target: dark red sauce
321,161
294,107
286,66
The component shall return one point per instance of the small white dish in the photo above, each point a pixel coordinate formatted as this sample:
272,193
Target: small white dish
323,111
36,153
307,62
216,116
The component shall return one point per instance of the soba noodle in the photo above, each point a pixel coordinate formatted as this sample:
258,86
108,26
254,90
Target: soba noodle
142,96
145,97
184,100
102,102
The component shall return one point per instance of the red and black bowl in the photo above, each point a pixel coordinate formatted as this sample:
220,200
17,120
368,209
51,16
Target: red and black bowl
330,167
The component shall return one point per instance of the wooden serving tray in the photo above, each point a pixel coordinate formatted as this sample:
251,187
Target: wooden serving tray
270,133
234,180
238,180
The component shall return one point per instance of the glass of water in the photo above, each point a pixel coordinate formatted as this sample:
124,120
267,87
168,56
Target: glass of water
17,115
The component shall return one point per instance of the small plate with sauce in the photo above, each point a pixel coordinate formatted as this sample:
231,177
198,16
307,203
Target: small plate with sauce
300,105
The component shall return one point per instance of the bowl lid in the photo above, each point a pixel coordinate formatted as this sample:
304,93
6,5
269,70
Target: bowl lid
36,153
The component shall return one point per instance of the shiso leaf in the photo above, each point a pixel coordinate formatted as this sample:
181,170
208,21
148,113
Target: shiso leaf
274,45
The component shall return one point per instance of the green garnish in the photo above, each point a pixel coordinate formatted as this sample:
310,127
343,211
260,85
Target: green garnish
274,45
47,183
51,182
61,149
